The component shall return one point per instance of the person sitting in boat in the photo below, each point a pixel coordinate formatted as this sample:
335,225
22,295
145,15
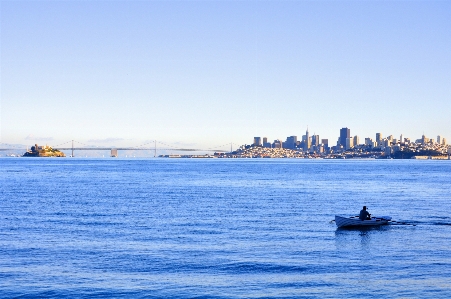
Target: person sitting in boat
364,215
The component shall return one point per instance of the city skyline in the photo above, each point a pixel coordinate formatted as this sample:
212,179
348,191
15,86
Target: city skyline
344,140
308,146
206,73
313,139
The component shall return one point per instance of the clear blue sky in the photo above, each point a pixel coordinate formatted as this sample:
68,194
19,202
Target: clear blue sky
205,73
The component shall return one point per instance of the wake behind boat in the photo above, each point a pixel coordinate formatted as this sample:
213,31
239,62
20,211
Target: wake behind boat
353,221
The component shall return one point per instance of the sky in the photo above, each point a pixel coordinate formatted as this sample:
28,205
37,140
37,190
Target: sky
206,73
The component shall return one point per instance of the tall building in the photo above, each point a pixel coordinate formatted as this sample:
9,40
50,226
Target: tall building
439,139
378,137
307,141
266,143
424,139
349,143
379,141
325,142
257,141
315,140
369,141
344,134
290,143
401,139
356,140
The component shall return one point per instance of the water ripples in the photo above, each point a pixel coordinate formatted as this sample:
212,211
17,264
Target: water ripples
222,228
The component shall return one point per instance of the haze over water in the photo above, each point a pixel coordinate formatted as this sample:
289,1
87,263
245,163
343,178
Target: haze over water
212,228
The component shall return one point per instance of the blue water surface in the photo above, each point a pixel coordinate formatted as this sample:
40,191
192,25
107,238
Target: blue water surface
218,228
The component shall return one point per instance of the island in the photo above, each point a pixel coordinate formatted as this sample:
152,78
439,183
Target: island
43,151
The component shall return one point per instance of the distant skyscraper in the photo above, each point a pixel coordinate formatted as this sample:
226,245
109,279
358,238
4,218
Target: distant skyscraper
290,143
349,143
257,141
344,133
325,142
424,139
315,140
356,140
439,139
378,137
265,139
401,139
307,141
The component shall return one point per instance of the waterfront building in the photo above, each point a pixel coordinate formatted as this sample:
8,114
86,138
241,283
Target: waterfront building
325,142
265,139
388,150
439,139
344,134
113,153
401,139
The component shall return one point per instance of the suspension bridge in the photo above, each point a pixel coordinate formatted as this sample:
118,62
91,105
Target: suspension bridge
154,145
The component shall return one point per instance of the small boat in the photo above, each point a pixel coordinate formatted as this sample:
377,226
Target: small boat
342,221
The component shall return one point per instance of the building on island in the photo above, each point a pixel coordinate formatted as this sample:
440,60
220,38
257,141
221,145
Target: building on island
43,151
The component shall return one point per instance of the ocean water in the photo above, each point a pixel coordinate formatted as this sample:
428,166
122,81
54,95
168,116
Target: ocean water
212,228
